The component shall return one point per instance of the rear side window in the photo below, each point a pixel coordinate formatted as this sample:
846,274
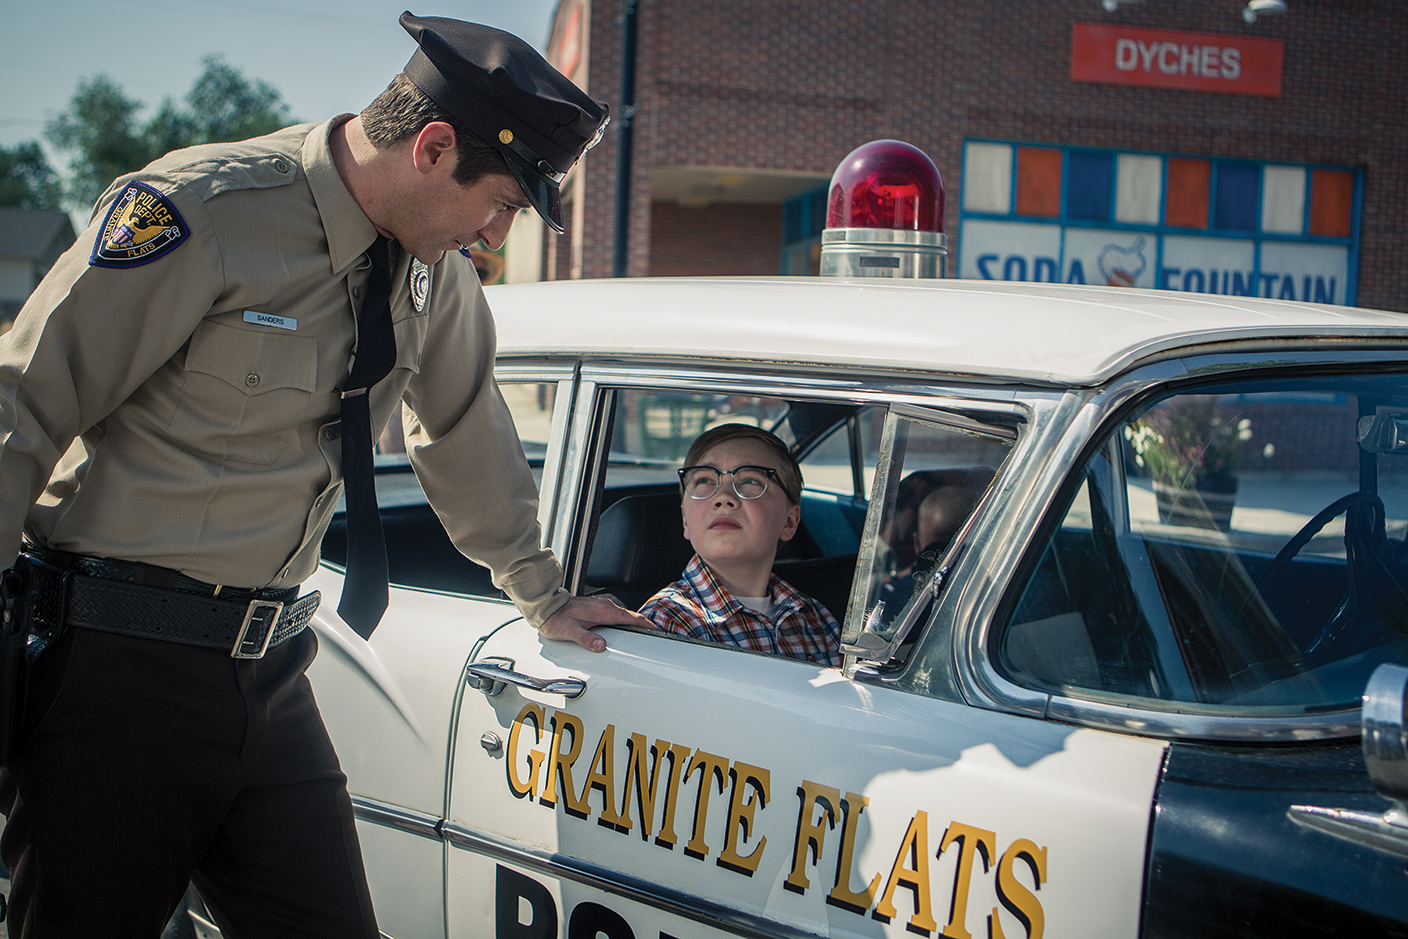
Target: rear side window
1240,548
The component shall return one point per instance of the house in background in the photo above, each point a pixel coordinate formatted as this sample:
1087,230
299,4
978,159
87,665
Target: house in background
31,240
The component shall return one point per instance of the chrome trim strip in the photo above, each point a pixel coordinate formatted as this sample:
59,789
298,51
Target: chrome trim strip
667,899
394,816
926,390
1374,831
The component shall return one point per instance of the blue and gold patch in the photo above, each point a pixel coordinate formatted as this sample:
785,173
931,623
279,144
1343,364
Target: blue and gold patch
141,226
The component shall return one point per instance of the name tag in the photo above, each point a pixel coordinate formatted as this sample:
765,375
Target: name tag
269,319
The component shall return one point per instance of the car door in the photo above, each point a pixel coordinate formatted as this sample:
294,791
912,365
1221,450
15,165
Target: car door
674,788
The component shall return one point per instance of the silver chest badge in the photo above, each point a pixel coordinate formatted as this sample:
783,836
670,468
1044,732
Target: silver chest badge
420,285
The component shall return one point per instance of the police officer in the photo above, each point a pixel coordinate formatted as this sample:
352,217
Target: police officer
172,399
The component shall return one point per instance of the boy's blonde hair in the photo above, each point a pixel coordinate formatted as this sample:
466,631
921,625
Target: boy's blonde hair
789,474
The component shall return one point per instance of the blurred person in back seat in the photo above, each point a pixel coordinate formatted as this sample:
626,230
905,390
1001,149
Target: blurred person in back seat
937,520
740,497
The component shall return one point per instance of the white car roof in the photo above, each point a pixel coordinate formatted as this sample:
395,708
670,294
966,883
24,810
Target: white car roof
1068,335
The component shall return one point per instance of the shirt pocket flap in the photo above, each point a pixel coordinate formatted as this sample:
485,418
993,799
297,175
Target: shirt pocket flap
256,361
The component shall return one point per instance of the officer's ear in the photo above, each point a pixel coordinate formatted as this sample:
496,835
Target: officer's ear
434,148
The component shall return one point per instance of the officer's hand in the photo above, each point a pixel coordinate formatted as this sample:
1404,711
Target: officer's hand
574,622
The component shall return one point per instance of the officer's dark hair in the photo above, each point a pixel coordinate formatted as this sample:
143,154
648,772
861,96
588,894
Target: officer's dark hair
402,111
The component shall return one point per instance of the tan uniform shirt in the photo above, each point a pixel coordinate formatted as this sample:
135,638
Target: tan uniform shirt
150,413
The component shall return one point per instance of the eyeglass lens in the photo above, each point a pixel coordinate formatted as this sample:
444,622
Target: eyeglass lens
749,482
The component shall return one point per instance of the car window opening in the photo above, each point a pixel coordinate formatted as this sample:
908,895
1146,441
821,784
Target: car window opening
1239,549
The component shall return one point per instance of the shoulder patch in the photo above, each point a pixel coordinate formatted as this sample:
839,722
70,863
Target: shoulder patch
141,226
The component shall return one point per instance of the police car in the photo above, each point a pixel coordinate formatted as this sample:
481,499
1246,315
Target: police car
1122,698
1123,584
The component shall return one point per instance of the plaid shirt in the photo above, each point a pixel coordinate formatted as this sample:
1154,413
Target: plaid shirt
700,607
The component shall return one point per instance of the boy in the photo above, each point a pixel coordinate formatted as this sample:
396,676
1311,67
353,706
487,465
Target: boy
740,497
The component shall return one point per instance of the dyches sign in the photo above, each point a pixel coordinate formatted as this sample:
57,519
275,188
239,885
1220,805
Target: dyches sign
1157,58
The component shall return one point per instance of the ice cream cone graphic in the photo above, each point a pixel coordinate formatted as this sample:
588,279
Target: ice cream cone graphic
1121,266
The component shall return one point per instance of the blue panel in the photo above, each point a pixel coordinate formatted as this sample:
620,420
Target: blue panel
1089,184
1236,189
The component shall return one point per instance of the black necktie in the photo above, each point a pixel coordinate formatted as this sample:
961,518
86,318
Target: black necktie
364,593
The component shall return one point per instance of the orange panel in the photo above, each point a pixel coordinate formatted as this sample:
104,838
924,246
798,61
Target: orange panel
1038,182
1186,195
1331,202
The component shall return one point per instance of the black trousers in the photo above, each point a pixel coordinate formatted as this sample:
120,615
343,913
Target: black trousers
153,764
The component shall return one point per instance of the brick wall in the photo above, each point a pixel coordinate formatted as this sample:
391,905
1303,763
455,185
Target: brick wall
715,239
785,85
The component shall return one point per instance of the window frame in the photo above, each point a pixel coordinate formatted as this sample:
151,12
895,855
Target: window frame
585,457
852,625
564,376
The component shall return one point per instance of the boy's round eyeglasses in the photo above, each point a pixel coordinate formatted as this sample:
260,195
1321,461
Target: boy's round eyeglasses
749,482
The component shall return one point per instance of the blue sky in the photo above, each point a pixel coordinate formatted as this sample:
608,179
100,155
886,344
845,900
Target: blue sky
324,56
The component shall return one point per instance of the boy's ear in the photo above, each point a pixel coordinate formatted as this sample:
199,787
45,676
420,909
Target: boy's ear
794,518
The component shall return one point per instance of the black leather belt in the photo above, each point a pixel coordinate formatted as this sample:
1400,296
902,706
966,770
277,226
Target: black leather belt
110,596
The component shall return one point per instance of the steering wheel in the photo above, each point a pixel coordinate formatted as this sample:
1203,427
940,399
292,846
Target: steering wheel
1359,533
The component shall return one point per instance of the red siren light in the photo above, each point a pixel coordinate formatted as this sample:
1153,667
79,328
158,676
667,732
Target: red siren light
885,215
886,184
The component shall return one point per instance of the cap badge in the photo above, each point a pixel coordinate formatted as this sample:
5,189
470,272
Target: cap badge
420,285
505,136
141,226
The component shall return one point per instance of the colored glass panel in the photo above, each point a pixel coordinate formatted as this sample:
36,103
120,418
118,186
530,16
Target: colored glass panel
1234,200
1038,182
1089,180
1283,200
1138,186
1331,202
1186,201
987,178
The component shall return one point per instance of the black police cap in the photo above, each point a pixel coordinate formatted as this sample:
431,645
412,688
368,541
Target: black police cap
510,97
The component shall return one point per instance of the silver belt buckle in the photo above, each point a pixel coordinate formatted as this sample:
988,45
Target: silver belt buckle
263,615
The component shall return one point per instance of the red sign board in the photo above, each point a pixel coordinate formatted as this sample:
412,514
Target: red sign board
1157,58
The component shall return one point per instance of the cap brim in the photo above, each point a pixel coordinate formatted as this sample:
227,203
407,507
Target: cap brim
541,192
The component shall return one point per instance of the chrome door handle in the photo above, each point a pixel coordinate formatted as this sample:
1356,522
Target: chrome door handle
491,675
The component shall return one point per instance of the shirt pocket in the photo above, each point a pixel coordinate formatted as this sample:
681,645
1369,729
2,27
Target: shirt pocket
246,392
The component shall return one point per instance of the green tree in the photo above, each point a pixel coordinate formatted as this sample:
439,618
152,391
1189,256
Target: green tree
99,130
224,105
101,133
27,181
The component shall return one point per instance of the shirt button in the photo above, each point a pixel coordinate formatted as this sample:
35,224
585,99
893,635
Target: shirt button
330,433
281,166
251,379
356,292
